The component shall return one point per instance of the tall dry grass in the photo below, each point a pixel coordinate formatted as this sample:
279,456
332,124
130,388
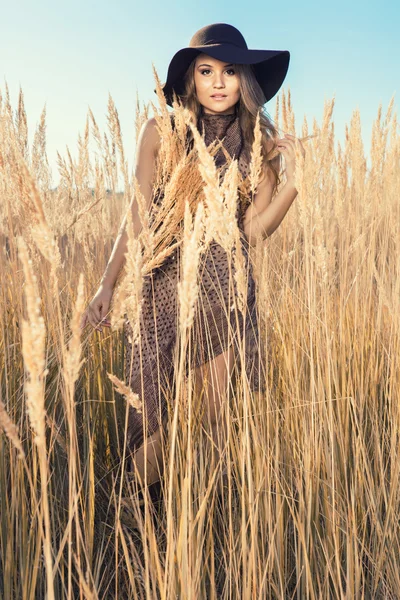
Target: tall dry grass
310,504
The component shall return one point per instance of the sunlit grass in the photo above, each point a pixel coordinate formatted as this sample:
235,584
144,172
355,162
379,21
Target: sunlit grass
311,509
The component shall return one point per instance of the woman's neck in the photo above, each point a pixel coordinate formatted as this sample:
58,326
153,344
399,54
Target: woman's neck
215,114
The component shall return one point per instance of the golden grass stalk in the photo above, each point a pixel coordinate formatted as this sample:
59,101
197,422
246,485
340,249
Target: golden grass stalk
128,297
40,163
256,159
230,195
40,230
120,387
22,126
240,275
72,359
116,136
217,226
146,236
33,347
33,352
10,430
188,286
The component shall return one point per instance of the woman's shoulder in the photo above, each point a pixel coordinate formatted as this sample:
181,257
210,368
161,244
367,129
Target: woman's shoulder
150,125
149,135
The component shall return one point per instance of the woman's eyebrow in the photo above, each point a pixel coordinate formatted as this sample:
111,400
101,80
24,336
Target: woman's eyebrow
206,65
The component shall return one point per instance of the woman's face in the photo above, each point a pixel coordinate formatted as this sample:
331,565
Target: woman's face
211,77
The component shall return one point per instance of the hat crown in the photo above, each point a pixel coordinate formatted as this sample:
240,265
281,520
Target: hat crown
218,33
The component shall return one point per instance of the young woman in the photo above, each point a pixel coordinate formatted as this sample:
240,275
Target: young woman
224,85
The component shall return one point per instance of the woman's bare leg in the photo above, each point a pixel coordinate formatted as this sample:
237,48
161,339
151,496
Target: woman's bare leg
213,378
154,459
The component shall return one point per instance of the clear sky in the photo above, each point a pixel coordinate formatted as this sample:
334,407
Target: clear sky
70,56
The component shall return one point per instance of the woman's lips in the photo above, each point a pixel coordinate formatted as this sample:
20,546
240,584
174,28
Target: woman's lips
218,97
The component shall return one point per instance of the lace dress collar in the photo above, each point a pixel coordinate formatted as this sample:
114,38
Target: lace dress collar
225,127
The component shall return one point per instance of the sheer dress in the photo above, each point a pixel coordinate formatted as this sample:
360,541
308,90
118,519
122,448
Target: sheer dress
149,364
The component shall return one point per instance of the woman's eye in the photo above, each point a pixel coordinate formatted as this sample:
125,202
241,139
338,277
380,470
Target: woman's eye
208,70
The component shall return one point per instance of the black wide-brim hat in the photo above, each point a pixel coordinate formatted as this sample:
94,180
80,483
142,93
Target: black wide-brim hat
225,42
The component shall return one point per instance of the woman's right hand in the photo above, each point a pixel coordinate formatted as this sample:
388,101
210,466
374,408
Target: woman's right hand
97,308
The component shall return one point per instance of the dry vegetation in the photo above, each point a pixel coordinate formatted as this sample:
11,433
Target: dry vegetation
311,507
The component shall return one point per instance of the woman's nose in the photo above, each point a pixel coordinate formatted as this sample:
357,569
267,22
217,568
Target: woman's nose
218,81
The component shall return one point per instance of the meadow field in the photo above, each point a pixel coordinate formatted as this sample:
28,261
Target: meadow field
310,506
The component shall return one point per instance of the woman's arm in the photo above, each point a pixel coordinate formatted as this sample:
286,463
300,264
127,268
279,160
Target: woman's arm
148,146
264,215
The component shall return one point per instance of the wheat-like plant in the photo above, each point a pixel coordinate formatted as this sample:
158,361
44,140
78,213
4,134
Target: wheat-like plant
303,497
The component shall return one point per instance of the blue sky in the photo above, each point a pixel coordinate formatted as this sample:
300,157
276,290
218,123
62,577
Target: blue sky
72,55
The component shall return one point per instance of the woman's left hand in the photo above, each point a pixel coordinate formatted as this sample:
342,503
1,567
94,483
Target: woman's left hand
287,146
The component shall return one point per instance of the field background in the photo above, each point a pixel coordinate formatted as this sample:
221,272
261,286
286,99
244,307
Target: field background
313,510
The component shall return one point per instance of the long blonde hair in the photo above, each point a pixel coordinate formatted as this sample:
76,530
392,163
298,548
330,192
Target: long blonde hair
251,102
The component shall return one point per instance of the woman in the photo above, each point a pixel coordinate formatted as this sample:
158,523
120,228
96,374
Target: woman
224,85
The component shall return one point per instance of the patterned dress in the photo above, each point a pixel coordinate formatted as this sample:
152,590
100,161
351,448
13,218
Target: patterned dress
149,369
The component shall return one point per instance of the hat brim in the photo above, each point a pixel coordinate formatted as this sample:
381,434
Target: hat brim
270,66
